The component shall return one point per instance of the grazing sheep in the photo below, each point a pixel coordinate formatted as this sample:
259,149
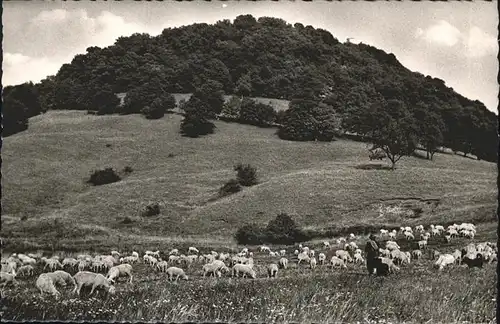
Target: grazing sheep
384,232
245,270
62,278
162,266
296,252
45,284
192,249
313,263
400,257
215,268
344,255
417,254
273,254
422,244
283,263
419,228
409,236
7,278
352,236
96,280
173,258
303,257
26,270
337,262
477,262
391,245
272,270
129,259
392,235
282,252
358,258
326,244
177,273
444,260
172,252
53,264
264,248
119,271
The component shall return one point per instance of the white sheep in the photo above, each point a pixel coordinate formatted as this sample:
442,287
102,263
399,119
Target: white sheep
444,260
215,268
303,257
358,258
337,262
45,284
391,245
283,263
282,252
352,236
326,244
392,235
457,254
273,254
172,252
96,280
53,264
400,256
296,252
417,254
9,267
119,271
177,273
419,228
162,266
344,255
7,278
383,231
135,254
192,249
245,270
422,244
264,248
321,258
244,251
272,270
26,270
384,252
391,266
409,236
313,263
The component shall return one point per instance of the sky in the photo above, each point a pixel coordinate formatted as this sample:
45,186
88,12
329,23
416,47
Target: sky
453,41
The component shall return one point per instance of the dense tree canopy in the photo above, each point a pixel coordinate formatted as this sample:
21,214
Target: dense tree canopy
267,57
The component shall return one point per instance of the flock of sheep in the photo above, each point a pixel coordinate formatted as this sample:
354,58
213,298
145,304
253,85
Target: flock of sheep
101,272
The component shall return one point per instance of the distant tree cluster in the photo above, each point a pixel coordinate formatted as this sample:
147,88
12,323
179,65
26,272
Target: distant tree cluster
331,85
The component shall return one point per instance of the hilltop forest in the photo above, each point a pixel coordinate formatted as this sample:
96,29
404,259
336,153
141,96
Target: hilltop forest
333,87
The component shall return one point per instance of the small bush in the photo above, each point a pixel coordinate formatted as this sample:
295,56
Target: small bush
127,220
102,177
250,234
246,174
24,217
151,210
171,155
231,187
127,169
108,145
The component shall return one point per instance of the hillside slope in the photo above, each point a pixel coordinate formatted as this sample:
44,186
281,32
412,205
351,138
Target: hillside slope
45,169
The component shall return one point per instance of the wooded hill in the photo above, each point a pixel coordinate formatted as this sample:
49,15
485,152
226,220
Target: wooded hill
334,86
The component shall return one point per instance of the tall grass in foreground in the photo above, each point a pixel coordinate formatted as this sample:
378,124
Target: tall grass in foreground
453,295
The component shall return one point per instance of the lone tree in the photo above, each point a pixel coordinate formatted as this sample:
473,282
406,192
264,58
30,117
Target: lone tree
196,121
392,129
284,230
430,129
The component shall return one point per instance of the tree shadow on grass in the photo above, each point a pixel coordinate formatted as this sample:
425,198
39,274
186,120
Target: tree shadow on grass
371,166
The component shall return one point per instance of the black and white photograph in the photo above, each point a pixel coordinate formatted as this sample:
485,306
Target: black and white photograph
249,161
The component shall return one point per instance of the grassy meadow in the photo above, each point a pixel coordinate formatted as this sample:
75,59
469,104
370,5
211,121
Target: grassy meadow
45,199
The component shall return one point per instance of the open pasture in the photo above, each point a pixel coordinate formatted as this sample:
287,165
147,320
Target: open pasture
418,292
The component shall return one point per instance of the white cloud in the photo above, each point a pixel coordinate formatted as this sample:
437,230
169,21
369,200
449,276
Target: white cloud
19,68
478,43
60,35
442,33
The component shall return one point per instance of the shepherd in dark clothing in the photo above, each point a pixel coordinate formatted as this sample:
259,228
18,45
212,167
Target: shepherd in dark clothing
372,252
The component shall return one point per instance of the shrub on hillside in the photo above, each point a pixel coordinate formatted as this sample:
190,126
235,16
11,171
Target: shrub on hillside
256,113
127,169
231,187
152,209
194,125
102,177
246,174
284,230
250,234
